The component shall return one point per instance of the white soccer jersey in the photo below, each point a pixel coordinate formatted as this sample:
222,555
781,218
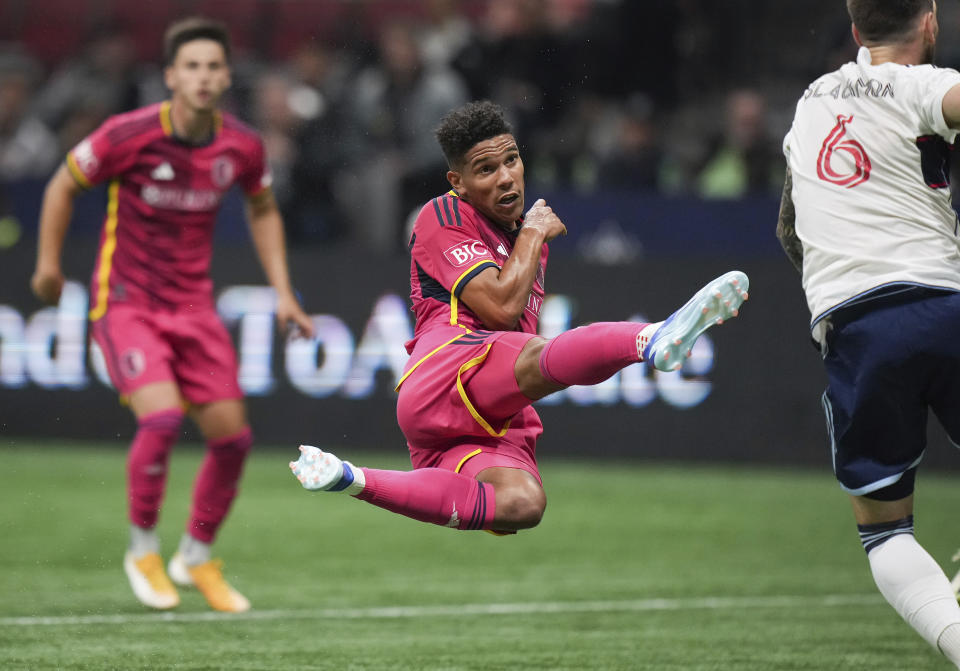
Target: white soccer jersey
869,153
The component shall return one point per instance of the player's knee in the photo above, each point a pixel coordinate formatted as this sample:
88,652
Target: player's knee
521,507
528,373
238,444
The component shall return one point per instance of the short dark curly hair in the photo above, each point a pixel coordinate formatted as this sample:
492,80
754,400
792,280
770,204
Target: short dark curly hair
465,126
886,20
193,28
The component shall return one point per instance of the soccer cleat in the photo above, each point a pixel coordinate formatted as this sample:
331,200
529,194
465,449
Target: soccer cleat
717,301
208,579
322,471
150,584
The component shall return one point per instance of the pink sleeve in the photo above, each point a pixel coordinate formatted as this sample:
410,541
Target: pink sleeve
256,175
448,246
95,159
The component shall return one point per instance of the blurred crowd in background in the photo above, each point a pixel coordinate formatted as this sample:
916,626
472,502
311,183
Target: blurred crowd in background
676,97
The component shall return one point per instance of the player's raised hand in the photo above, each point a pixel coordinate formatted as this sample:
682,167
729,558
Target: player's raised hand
291,316
542,218
47,285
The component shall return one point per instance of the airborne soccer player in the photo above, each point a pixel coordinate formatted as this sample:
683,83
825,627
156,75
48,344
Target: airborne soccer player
477,364
867,219
152,313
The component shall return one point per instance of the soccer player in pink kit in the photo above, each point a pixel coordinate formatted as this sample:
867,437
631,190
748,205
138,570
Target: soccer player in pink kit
152,313
476,364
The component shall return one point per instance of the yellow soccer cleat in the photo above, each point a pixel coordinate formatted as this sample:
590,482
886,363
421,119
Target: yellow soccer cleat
208,579
150,583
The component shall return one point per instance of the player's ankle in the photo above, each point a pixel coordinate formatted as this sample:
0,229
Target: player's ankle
353,480
143,541
193,551
645,336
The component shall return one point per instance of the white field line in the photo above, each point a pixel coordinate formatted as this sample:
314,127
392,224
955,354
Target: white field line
464,610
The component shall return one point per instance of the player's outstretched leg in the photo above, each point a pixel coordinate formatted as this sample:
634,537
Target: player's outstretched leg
432,495
717,301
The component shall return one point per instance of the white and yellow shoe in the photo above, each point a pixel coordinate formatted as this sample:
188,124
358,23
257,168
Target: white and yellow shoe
208,579
150,583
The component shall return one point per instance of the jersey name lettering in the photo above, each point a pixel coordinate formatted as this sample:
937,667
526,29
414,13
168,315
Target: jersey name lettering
870,88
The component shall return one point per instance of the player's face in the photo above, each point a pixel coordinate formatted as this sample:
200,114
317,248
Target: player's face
491,180
199,74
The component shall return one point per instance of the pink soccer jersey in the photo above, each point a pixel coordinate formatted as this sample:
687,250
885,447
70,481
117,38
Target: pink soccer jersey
163,197
451,243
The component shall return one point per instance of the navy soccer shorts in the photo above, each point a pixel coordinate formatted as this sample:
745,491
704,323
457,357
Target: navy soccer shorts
887,362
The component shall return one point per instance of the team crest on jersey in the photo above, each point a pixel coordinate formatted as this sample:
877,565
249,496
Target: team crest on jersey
86,160
465,252
222,172
132,362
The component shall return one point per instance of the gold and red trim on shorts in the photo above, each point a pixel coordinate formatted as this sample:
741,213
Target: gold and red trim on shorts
467,458
467,365
476,361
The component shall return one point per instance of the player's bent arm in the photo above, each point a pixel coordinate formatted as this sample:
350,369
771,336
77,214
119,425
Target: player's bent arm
55,214
266,230
498,297
786,225
951,107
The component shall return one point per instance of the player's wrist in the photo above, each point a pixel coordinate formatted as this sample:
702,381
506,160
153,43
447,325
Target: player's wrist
532,231
47,269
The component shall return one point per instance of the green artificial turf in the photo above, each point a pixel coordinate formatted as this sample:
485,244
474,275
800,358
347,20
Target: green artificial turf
635,566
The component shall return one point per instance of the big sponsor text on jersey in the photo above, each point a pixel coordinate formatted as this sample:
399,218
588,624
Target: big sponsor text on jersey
463,253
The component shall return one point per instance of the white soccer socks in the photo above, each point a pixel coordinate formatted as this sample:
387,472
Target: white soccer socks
917,588
143,541
193,551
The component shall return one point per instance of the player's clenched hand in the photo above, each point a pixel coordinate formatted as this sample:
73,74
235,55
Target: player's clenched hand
47,285
542,218
291,315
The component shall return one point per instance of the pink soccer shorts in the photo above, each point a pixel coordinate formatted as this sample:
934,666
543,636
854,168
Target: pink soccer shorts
436,413
190,347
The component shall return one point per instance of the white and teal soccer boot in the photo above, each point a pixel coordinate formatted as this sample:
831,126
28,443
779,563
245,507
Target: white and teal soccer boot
322,471
719,300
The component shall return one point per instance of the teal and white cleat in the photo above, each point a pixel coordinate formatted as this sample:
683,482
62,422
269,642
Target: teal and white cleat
717,301
322,471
